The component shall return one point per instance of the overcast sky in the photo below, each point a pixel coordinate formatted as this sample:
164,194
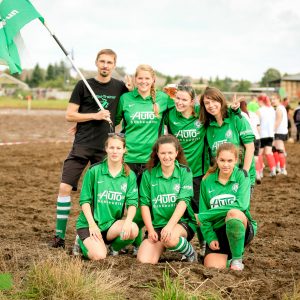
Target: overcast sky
240,39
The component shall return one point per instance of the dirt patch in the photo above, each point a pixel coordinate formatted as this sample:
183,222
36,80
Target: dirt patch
30,175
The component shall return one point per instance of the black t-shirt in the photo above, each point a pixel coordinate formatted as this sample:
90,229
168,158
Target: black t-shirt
93,133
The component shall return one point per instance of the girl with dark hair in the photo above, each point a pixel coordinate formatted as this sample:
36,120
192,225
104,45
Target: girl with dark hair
225,220
223,126
166,191
108,187
183,122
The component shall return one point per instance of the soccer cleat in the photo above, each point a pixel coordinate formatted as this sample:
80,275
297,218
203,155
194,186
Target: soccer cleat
258,179
237,265
202,248
273,173
283,172
135,251
112,252
57,242
76,251
193,257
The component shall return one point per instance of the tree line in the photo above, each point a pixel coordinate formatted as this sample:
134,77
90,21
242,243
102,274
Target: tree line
58,76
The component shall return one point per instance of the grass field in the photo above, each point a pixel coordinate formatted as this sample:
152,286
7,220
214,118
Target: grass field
9,102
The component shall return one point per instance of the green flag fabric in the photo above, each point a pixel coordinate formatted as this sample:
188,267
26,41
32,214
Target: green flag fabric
10,58
14,15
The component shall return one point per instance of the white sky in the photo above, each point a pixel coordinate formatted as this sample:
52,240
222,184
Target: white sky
199,38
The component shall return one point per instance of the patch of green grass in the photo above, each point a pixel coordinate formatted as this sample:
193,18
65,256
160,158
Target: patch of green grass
65,278
175,289
8,102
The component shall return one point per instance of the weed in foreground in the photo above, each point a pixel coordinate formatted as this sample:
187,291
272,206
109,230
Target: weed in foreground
174,289
65,278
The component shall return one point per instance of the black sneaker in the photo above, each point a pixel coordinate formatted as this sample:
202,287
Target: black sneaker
57,242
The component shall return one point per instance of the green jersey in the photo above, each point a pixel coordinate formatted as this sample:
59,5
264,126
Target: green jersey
216,199
236,130
163,194
190,133
141,126
107,195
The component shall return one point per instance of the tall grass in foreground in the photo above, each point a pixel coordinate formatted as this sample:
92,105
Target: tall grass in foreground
65,278
174,289
295,295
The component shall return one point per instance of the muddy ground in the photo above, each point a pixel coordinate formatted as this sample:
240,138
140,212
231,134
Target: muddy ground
29,179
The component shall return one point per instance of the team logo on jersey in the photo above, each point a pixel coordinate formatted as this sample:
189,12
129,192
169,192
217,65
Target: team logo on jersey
222,200
235,187
165,199
110,196
189,133
228,134
216,145
197,124
124,187
146,115
177,188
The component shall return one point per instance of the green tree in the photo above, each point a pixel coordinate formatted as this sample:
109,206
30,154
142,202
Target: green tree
37,76
270,75
50,74
243,86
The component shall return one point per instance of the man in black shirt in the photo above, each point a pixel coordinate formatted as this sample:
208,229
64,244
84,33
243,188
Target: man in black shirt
91,132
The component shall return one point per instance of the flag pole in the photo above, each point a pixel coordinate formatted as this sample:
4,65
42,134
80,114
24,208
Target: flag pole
77,70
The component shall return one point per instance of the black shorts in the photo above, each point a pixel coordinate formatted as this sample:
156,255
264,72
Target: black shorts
223,241
196,187
188,229
138,169
281,137
84,233
76,162
256,147
266,142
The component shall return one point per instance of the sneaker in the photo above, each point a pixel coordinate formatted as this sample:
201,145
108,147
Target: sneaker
237,265
261,174
135,251
76,251
273,173
193,257
57,242
202,248
112,252
258,179
283,172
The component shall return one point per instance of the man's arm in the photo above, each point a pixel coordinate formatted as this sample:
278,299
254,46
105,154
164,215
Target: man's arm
72,114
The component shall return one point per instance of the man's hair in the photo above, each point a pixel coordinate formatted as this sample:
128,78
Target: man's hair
108,52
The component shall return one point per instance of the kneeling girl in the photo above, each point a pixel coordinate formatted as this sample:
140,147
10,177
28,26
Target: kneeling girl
108,187
225,220
166,191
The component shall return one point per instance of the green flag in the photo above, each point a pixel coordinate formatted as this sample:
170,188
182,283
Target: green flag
10,58
14,15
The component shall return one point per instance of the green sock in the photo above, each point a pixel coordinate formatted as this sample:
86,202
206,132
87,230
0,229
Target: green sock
62,214
199,235
183,247
140,223
235,231
119,244
138,240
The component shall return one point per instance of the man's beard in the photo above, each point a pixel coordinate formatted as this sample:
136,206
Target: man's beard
104,73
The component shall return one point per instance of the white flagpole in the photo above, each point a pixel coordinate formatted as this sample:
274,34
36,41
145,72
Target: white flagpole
77,70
